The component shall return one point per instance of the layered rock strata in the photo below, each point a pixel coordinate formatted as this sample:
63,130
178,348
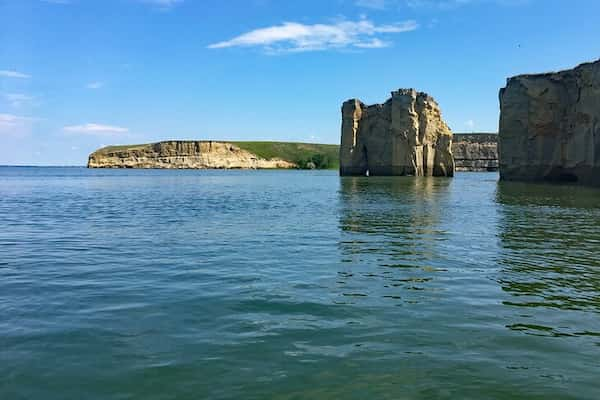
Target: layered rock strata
404,136
475,152
182,155
550,126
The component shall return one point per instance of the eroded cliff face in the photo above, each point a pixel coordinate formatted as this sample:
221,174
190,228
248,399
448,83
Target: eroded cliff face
475,152
404,136
181,155
550,126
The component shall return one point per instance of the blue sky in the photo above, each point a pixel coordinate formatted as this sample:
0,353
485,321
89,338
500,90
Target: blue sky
79,74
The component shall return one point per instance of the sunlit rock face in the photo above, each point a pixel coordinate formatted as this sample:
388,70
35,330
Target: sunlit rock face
180,154
404,136
550,126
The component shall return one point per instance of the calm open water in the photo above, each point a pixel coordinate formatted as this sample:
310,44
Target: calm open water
123,284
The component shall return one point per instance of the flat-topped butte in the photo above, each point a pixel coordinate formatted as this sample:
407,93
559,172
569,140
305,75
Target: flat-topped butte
206,154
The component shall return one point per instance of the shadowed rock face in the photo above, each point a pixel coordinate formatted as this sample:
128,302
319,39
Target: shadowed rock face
550,126
182,154
404,136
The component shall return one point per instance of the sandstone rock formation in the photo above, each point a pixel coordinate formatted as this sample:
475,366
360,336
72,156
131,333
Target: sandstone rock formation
550,126
404,136
475,152
182,154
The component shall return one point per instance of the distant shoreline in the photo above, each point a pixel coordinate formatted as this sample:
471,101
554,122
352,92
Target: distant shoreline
263,148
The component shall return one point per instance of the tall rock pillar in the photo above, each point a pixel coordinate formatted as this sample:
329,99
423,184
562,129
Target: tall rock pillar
404,136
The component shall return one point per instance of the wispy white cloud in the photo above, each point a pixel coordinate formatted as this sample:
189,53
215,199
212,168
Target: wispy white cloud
13,74
94,85
96,129
10,119
372,4
15,125
470,124
293,36
372,44
17,99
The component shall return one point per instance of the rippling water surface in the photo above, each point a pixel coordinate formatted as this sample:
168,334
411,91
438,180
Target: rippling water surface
289,284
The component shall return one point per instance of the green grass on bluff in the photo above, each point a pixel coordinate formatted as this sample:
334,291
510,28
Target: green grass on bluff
323,156
121,147
305,155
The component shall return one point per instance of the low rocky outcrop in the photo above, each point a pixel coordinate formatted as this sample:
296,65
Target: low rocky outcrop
404,136
475,151
182,154
550,126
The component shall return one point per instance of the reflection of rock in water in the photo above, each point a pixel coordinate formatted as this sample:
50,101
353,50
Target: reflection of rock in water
392,222
550,241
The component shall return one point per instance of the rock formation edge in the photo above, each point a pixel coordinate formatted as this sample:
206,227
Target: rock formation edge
550,126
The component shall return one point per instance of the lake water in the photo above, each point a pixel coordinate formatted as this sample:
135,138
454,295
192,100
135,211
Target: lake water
122,284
